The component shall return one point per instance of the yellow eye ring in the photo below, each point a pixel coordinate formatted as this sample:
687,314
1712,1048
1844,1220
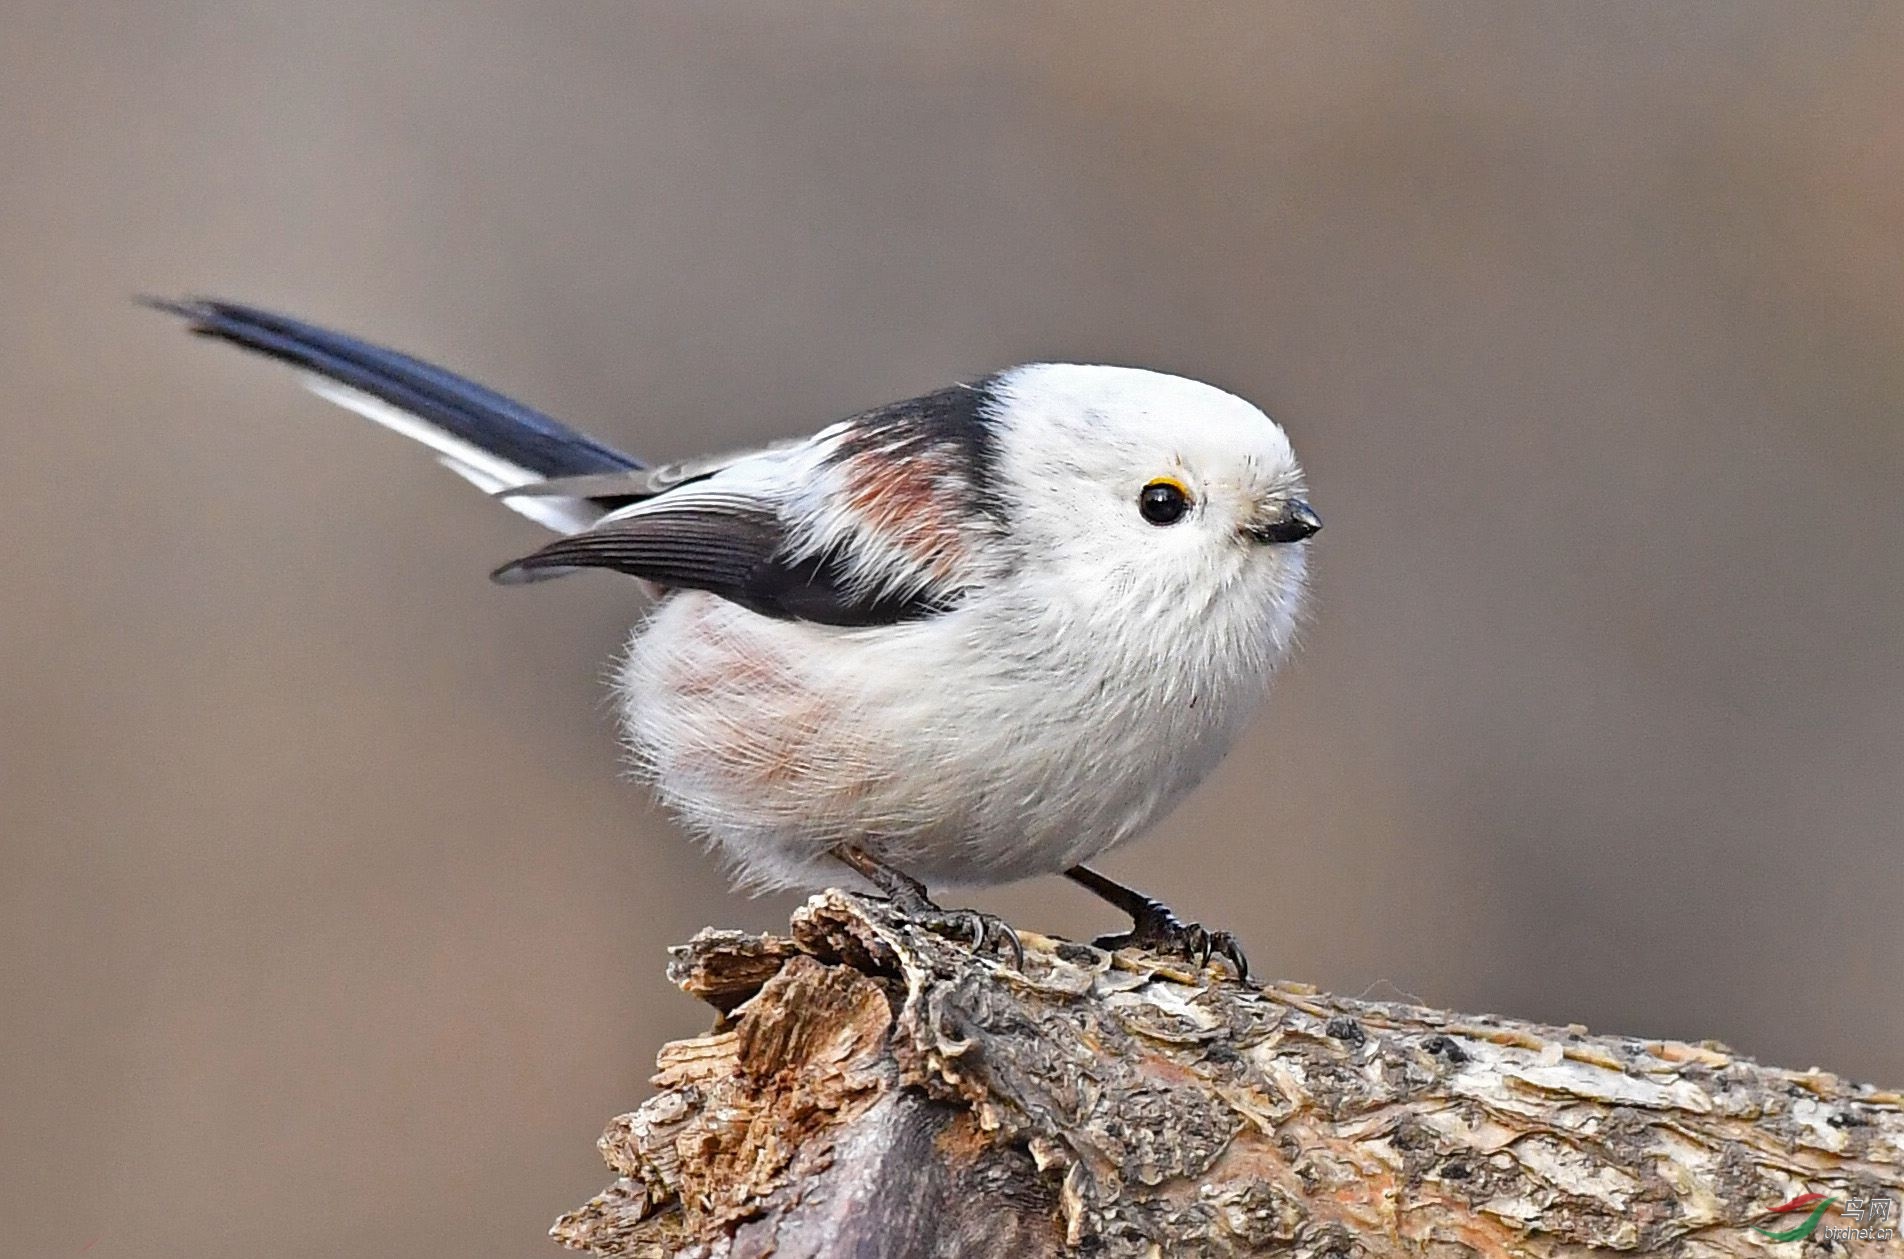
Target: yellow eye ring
1164,501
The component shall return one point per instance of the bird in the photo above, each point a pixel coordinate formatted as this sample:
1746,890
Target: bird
983,634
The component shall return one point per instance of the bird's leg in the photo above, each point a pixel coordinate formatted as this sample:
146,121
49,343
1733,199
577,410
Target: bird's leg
907,895
1155,929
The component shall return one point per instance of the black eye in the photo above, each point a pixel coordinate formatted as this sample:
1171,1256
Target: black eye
1163,502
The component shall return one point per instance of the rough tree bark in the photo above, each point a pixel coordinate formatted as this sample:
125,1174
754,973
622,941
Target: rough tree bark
872,1089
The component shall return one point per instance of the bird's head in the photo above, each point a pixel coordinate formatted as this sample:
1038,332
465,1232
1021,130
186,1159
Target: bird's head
1164,486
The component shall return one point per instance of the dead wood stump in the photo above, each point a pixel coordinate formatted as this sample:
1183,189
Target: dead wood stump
872,1089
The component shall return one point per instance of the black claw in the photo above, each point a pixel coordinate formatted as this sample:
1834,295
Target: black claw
1232,952
1013,944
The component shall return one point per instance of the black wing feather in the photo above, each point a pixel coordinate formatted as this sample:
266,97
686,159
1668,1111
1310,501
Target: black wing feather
737,553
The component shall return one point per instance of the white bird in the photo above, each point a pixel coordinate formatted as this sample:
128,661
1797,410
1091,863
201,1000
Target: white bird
982,634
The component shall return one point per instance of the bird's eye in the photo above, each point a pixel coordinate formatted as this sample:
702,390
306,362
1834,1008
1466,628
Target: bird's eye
1163,501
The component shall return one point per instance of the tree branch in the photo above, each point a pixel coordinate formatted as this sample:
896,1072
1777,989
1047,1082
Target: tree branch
872,1089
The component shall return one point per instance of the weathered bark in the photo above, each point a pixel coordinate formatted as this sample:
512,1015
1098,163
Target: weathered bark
872,1089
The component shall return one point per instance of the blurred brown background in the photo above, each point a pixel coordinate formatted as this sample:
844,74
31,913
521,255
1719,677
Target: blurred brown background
328,926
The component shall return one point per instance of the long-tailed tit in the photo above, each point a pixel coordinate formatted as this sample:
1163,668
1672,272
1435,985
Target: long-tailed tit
982,634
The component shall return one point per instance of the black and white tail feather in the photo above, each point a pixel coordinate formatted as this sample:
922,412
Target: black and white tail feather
673,525
493,442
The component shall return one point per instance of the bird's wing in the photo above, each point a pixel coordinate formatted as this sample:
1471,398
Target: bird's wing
741,546
880,518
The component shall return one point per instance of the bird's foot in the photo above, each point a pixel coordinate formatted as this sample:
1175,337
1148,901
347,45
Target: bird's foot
986,933
1156,930
907,895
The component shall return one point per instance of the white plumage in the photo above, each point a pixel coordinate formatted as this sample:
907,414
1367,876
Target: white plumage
1102,670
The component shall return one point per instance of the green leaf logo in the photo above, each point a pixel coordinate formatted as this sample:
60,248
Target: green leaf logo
1816,1203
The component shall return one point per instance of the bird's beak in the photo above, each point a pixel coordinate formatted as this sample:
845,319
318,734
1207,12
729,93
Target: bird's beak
1296,521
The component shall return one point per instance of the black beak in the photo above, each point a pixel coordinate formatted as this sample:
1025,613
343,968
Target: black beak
1298,521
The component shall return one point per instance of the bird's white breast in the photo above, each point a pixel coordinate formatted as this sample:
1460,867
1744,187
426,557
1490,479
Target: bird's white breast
1024,732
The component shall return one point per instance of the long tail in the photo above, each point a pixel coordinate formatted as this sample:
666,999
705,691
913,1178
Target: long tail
495,443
